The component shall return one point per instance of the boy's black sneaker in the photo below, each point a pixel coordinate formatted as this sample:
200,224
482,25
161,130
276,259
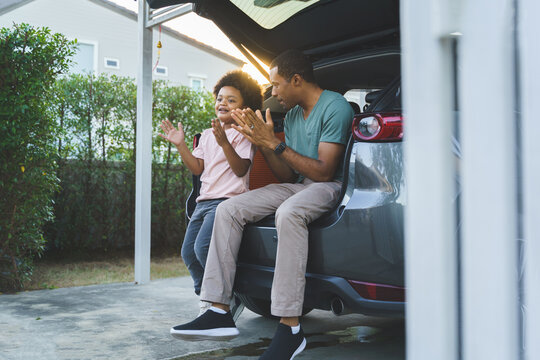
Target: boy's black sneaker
209,326
285,345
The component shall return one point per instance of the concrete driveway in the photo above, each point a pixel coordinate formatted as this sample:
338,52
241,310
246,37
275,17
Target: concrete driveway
127,321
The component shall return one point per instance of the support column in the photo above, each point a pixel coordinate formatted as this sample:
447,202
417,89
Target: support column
143,176
529,53
489,127
431,246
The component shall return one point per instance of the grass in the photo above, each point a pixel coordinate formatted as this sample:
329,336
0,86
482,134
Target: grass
78,270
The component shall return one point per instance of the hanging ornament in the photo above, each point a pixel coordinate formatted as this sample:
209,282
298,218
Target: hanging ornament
159,46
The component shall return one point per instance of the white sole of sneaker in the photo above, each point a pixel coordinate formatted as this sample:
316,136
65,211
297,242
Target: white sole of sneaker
220,334
300,349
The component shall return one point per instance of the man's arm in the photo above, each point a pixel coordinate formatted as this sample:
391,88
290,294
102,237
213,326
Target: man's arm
322,169
279,167
262,134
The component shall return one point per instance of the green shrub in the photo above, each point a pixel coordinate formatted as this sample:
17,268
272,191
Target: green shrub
30,61
95,208
67,155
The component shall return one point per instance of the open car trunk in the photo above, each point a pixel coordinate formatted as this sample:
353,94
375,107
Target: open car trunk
322,29
353,45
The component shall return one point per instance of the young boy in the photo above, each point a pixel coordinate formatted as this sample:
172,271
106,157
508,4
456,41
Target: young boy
222,158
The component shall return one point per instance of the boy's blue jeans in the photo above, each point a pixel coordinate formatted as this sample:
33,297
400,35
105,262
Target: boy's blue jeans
197,239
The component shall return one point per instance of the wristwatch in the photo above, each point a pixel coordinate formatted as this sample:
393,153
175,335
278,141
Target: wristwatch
280,148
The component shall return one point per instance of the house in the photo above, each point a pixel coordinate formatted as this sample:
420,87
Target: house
108,40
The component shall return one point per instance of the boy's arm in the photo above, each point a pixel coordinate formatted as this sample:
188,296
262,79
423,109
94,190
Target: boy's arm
177,138
194,164
238,165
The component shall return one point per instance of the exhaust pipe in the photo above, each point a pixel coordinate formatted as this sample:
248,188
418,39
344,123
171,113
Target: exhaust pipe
338,307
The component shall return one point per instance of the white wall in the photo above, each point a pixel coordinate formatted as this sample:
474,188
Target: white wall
116,37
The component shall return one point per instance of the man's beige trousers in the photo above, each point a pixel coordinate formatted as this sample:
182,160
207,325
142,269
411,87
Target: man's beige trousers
295,206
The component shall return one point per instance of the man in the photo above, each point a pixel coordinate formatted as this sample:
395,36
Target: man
309,163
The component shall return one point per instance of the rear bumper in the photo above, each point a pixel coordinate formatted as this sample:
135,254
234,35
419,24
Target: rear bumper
256,281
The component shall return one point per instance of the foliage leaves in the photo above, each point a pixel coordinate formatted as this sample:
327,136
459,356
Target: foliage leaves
96,116
30,61
67,154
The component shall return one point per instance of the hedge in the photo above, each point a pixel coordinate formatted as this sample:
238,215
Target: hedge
30,61
95,208
67,155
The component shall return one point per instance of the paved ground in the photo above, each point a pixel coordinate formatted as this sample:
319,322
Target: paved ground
127,321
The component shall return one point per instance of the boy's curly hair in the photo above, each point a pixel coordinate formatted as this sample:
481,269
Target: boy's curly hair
249,88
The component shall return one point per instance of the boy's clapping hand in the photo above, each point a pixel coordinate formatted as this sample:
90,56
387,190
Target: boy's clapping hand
171,134
219,132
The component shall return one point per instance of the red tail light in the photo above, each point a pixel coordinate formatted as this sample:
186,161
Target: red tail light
378,127
379,292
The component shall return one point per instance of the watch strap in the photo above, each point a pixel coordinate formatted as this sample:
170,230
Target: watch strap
280,148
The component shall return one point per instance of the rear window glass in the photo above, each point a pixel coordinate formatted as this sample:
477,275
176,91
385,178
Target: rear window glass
390,102
271,13
385,100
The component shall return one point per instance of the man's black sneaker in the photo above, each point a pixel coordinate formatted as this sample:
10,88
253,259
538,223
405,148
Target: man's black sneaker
285,345
209,326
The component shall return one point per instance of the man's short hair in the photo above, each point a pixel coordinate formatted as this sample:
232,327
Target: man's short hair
293,62
249,88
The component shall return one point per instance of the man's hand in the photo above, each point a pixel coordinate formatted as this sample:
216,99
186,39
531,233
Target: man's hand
255,129
171,134
261,134
219,133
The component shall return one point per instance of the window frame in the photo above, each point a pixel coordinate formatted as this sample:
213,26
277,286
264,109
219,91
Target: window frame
202,78
96,51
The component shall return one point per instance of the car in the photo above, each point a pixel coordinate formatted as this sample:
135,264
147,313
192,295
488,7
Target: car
356,250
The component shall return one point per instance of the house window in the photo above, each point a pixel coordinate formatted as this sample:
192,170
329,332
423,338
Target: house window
84,60
196,82
111,63
161,70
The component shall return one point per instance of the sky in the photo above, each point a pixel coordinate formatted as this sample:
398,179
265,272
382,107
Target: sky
205,31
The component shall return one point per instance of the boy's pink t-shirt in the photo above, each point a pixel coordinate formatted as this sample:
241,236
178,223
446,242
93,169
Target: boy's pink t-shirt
217,179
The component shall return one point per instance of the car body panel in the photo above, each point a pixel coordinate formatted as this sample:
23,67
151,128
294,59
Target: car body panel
366,241
256,281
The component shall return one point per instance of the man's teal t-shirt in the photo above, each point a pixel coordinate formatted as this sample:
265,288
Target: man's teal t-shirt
329,121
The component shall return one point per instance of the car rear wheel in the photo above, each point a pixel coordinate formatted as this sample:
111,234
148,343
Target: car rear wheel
262,307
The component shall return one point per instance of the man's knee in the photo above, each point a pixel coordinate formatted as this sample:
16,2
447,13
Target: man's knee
231,211
225,209
288,213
